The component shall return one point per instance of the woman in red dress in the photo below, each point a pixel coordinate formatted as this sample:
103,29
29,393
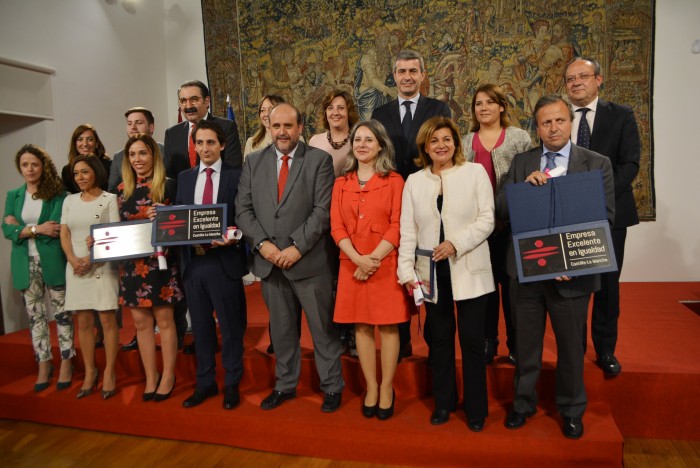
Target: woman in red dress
365,213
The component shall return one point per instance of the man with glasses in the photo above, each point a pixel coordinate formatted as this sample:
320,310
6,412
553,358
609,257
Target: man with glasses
611,130
194,99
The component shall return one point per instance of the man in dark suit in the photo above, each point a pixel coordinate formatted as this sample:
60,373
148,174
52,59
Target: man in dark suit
402,127
193,98
283,209
564,299
213,274
611,130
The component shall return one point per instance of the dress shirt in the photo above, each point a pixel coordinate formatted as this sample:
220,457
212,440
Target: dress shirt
561,160
279,159
202,178
402,108
590,117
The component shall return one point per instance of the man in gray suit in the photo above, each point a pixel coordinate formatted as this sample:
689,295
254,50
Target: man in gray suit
565,299
285,218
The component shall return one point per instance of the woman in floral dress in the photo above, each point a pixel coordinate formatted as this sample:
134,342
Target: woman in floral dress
151,293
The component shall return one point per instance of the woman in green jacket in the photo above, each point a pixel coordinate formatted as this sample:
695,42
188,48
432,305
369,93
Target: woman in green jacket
31,222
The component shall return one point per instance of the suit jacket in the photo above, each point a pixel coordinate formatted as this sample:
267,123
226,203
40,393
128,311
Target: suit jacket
302,217
580,160
177,146
53,260
615,135
233,257
405,149
115,170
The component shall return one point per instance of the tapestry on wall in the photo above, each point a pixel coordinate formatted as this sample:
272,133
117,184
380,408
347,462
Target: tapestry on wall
302,49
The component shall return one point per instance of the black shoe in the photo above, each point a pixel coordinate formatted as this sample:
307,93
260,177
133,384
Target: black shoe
148,396
476,425
511,358
331,401
572,428
131,345
516,420
270,349
231,396
164,396
276,398
406,351
610,365
188,349
369,411
490,349
439,416
199,395
386,413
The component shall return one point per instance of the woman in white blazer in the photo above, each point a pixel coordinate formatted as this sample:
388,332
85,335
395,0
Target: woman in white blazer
448,208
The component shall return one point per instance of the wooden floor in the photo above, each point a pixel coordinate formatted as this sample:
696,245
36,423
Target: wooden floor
25,444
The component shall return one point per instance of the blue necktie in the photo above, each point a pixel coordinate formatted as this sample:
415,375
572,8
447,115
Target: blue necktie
550,160
583,137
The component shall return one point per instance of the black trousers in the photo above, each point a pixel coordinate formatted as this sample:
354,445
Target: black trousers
470,328
532,303
498,246
606,302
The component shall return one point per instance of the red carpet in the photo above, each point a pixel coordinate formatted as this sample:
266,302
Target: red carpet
653,397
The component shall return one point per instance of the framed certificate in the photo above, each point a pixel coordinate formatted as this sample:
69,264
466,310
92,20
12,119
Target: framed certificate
189,224
425,271
117,241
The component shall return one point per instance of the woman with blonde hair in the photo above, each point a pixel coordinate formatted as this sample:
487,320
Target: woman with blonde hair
149,292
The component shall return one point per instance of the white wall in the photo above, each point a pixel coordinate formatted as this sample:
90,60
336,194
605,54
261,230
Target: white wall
109,57
669,249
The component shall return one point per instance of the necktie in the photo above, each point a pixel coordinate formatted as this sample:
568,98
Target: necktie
583,138
190,148
208,197
407,119
550,160
282,180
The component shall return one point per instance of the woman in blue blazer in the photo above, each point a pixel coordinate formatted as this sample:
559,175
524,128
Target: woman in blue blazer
31,222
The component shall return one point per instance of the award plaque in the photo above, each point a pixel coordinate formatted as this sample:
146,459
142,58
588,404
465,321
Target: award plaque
117,241
189,224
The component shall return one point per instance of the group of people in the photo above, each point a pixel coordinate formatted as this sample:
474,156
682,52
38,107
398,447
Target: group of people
333,228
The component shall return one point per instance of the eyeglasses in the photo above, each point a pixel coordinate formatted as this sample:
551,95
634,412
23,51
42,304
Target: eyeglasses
194,100
581,77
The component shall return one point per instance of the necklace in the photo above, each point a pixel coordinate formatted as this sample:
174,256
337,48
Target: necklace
338,145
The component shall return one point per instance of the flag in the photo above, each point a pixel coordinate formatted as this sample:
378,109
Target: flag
230,109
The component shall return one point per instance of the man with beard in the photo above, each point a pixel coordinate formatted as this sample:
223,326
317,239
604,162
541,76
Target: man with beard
194,99
285,219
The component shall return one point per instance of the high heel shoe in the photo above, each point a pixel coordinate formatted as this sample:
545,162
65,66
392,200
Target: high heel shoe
165,396
369,411
87,391
40,387
148,396
386,413
66,384
107,394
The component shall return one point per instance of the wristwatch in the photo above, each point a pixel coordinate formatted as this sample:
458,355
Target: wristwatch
260,244
33,230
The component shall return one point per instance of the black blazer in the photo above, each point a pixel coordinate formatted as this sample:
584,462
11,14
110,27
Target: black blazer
406,150
615,135
177,146
580,160
233,258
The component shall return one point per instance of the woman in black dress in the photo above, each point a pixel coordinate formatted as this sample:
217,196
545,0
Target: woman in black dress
151,293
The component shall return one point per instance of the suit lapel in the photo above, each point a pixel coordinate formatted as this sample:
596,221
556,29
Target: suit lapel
599,123
418,116
577,161
532,164
223,185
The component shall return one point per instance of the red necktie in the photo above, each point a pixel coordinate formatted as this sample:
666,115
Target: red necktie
190,148
208,197
282,180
